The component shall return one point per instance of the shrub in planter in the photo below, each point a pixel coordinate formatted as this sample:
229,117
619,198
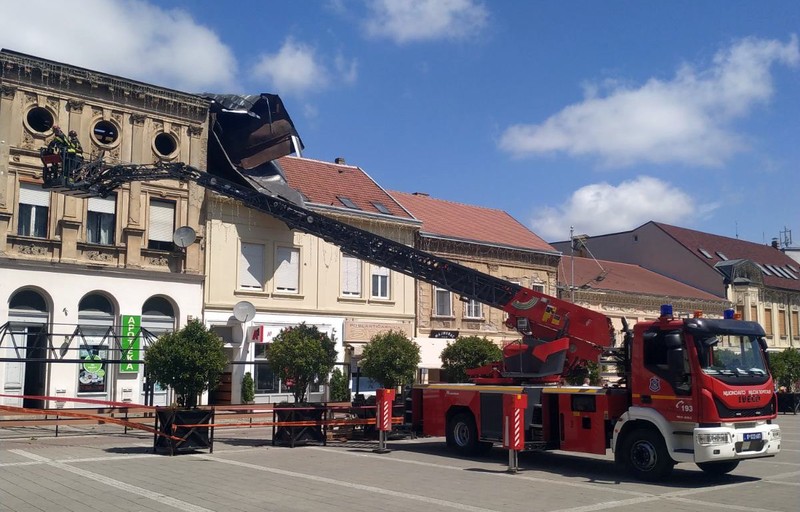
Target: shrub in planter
248,389
340,391
465,353
390,359
785,369
190,361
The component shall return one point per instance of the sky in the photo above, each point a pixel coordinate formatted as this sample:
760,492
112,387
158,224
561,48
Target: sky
590,116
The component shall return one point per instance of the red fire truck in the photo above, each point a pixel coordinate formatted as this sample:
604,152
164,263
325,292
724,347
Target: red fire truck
691,390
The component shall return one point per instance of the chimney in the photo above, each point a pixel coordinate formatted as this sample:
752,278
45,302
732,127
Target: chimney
422,194
774,243
339,160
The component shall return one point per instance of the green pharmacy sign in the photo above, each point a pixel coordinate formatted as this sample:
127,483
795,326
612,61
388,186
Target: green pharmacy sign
129,343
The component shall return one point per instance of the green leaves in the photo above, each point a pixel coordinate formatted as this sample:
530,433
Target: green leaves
190,361
340,391
785,368
465,353
301,354
391,359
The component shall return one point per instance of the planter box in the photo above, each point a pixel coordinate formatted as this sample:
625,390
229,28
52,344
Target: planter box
168,421
789,402
293,435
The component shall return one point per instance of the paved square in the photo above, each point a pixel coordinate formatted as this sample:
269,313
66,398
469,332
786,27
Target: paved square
111,470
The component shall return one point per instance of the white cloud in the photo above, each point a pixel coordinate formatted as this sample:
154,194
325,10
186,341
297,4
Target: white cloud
129,38
684,120
603,208
405,21
297,69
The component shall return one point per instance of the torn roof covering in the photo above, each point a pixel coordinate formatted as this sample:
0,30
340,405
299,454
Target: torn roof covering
248,134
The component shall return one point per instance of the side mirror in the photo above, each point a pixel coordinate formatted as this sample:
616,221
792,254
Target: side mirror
675,361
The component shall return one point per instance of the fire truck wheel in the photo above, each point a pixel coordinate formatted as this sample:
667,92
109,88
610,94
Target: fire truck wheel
718,468
646,456
462,434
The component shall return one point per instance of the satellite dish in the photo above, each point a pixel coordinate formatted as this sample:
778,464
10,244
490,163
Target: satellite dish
244,311
184,236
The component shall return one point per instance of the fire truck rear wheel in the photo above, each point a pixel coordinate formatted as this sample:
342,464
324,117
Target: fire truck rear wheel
718,468
462,434
645,455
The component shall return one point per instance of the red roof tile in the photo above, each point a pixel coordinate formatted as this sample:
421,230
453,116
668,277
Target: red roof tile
624,277
470,223
324,182
732,249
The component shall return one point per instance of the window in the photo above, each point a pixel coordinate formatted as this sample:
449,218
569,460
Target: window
722,256
753,313
348,202
287,273
768,321
795,316
162,225
251,266
381,207
101,220
265,380
473,309
34,205
96,321
380,282
165,144
443,305
782,323
105,132
537,288
351,276
705,253
40,119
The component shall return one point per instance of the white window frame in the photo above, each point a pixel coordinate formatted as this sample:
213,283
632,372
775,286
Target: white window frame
351,276
32,195
252,266
473,310
380,282
162,221
287,270
106,210
442,292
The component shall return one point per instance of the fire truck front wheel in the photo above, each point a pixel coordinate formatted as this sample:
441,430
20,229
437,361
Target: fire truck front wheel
645,455
462,435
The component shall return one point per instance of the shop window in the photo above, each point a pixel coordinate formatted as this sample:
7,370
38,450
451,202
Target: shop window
96,335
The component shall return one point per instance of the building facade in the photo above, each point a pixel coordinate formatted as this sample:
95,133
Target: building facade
760,281
484,239
291,277
71,269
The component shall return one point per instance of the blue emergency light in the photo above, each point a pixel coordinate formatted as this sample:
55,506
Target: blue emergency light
727,314
666,310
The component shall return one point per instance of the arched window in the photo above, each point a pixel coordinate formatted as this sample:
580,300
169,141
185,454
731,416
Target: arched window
28,318
158,315
27,305
96,321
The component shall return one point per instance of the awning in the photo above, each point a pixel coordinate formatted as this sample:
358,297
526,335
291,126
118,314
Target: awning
430,351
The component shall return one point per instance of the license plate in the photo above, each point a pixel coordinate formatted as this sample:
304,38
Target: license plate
752,436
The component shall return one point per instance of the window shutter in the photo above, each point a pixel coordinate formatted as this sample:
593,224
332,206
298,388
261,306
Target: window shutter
162,220
103,205
251,266
351,275
287,275
33,195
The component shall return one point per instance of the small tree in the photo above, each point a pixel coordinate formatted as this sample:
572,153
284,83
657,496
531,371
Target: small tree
190,361
390,359
785,368
248,388
298,355
465,353
340,391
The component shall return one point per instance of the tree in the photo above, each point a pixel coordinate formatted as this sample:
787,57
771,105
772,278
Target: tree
785,368
390,359
190,361
248,388
300,355
340,391
465,353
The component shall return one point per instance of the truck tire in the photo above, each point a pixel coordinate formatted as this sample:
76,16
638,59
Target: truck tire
718,468
645,455
462,434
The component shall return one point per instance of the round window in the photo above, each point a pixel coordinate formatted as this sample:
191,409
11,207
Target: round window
165,144
105,132
40,119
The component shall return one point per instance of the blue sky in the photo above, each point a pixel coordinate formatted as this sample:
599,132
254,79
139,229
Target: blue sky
600,115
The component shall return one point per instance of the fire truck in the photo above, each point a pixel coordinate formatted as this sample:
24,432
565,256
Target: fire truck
690,389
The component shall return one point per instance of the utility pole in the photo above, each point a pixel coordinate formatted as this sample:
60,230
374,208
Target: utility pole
572,263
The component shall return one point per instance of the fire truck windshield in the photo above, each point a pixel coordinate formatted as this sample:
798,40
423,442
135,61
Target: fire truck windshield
735,359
